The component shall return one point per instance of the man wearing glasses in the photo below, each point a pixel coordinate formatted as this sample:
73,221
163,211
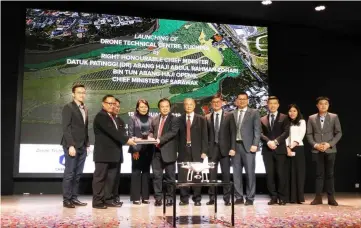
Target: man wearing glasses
114,193
109,138
221,145
248,134
75,142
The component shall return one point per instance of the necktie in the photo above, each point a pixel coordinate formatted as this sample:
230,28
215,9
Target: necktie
272,120
82,110
216,128
115,123
161,126
239,122
189,129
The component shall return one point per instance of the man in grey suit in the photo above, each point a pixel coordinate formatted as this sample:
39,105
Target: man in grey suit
323,133
248,133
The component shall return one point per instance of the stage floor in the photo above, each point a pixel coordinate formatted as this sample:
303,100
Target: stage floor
47,211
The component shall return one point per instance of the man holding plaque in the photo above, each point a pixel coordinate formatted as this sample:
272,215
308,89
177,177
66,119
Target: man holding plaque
121,126
164,129
107,149
193,140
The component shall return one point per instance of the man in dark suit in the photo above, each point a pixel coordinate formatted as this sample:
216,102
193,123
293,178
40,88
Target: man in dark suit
248,135
109,138
221,145
164,128
275,129
121,126
323,133
193,140
75,142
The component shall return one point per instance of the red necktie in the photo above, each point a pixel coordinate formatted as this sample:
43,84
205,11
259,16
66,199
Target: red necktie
189,129
161,128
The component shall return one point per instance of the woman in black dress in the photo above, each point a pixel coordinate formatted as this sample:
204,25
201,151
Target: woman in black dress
139,126
296,155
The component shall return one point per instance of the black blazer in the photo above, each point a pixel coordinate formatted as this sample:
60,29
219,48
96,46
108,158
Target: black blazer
199,137
280,132
108,139
75,131
121,127
168,140
226,135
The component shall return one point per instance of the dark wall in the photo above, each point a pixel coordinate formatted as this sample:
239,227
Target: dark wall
307,63
304,63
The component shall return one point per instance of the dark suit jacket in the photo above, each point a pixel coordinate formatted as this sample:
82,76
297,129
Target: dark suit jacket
75,131
226,135
134,130
168,140
199,137
121,127
331,131
108,139
280,132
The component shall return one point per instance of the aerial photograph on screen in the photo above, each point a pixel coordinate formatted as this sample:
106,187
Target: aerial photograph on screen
53,37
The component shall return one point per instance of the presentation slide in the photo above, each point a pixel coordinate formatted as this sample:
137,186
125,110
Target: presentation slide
131,58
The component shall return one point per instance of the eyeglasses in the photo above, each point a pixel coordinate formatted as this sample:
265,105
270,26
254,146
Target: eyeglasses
111,104
80,93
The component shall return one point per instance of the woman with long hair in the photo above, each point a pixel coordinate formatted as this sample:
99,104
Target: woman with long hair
296,155
139,126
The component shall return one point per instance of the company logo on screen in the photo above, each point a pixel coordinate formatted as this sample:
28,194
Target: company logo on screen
62,160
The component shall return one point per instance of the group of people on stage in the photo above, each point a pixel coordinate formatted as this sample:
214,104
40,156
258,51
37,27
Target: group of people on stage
226,138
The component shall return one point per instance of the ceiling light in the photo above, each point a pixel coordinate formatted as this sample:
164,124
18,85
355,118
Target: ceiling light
266,2
320,8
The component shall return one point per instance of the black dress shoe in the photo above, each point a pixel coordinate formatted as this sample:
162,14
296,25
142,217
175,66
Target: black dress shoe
227,204
113,204
317,200
68,204
239,201
248,202
145,202
332,201
100,206
197,204
282,202
137,202
211,202
169,203
78,203
158,203
272,202
181,203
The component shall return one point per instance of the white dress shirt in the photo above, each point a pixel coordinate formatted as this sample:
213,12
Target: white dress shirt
322,119
191,117
297,133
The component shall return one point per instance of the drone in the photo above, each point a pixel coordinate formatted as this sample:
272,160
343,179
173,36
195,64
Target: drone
198,167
